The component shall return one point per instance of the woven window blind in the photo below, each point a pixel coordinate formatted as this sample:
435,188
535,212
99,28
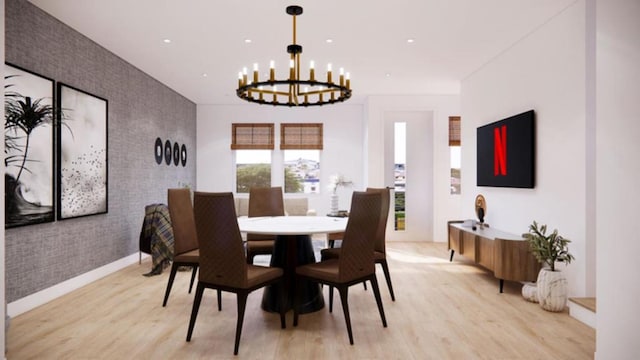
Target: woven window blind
301,136
252,136
454,130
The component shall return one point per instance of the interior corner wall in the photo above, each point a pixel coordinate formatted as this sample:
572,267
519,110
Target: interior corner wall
343,151
618,170
544,71
446,206
140,110
2,242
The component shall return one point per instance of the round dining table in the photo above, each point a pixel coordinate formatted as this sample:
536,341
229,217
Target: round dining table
292,248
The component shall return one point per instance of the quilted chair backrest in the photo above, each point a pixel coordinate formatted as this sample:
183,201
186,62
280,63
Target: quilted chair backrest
380,241
222,258
356,257
184,227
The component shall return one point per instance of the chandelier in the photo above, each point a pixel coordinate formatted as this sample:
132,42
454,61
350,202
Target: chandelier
294,91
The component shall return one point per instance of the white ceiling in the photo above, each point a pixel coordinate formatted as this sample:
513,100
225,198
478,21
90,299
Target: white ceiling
453,38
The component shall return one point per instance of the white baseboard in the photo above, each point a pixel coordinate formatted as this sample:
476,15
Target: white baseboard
582,314
41,297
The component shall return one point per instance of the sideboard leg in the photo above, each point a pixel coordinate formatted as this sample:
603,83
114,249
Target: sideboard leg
501,285
451,256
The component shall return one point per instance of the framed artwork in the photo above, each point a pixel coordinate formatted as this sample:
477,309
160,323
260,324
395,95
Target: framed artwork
28,141
82,153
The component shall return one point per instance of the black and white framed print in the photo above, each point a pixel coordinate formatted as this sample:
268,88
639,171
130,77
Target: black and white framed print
82,153
28,142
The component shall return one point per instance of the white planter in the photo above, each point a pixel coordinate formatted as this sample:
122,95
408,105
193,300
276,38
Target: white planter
334,204
552,290
530,292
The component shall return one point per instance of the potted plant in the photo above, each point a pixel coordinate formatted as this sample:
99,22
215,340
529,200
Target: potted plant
549,249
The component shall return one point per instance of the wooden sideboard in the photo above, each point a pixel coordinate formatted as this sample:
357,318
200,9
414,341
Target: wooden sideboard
506,255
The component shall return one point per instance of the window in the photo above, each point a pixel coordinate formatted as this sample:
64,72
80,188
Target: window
302,171
400,174
301,144
253,144
455,153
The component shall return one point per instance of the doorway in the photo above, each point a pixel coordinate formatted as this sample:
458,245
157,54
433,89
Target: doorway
409,166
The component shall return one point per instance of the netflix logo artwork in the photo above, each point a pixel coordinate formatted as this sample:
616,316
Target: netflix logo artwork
506,152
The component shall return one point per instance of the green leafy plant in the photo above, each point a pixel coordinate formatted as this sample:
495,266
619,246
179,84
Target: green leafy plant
548,249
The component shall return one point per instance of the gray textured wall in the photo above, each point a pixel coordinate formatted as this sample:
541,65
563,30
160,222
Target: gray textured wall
140,109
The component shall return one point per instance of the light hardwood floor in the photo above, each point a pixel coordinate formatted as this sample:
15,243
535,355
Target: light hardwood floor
442,310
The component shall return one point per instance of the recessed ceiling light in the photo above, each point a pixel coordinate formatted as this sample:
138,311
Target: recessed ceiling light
204,75
411,41
167,41
247,41
387,75
329,41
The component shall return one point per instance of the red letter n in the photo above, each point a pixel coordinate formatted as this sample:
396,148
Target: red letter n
500,151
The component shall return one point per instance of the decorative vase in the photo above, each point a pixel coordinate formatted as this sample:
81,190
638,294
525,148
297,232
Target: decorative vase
530,292
552,290
334,204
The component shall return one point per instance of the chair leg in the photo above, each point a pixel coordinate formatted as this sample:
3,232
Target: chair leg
283,300
332,243
296,302
242,305
219,300
193,277
344,293
364,283
376,293
194,310
330,299
387,276
172,276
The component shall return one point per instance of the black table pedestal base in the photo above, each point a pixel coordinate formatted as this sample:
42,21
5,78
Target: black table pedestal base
291,251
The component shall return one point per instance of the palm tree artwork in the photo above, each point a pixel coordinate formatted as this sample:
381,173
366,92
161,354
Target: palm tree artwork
28,131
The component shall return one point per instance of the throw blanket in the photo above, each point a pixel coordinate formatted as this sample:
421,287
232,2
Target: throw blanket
157,228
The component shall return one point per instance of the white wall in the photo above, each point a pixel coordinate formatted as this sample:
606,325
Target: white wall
343,153
353,145
544,71
446,206
618,171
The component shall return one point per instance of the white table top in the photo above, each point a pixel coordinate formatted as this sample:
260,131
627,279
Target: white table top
292,225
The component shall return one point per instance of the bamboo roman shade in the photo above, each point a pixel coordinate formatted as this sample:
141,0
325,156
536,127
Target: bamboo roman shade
252,136
301,136
454,130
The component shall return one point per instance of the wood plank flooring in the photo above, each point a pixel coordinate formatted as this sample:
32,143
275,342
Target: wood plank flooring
443,310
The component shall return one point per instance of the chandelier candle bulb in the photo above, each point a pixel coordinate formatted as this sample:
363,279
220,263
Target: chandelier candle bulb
272,70
348,81
240,79
292,66
312,71
255,72
329,80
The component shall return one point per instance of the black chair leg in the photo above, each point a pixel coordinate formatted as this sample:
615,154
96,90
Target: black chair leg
193,277
296,302
344,293
194,310
283,300
376,292
387,276
172,276
330,299
242,304
219,300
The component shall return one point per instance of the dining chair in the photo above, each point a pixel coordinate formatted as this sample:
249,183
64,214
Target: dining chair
185,244
263,201
380,252
356,261
223,265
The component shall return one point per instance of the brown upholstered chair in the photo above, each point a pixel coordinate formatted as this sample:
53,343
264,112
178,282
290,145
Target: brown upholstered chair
263,202
356,263
380,253
185,245
223,265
